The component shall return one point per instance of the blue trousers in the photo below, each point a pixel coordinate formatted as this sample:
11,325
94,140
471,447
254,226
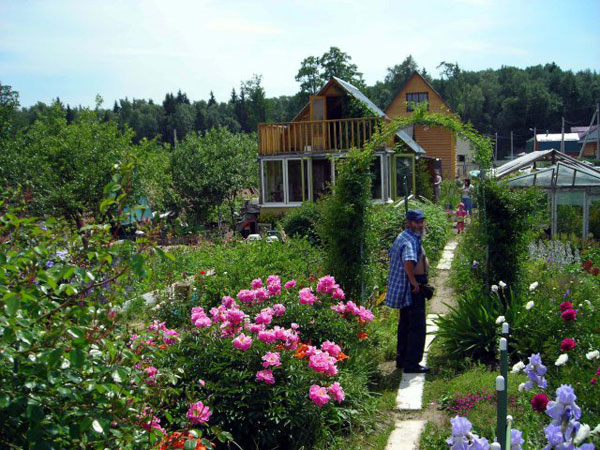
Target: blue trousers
412,330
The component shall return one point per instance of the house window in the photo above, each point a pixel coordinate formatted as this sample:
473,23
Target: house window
416,97
376,183
321,177
404,168
294,177
273,181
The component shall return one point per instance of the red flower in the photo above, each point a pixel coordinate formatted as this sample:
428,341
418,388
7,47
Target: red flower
567,344
569,315
587,265
566,305
203,273
595,271
593,381
539,402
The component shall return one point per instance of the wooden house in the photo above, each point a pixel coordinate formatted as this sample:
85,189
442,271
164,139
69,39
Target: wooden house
297,159
437,142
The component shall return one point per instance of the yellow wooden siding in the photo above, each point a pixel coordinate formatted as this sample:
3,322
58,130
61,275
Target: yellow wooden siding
590,150
416,84
439,143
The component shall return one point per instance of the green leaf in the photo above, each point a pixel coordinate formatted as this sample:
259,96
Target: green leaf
77,358
97,427
12,304
35,413
190,444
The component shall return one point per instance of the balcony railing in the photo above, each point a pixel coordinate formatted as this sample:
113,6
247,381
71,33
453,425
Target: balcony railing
315,136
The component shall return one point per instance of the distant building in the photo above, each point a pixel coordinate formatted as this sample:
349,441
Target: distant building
438,142
547,141
589,135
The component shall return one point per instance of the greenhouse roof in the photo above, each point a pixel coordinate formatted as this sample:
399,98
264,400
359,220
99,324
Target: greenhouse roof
530,160
559,175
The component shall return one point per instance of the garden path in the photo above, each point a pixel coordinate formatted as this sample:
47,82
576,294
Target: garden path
410,416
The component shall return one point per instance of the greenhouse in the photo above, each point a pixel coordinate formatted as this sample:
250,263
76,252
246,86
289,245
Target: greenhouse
573,188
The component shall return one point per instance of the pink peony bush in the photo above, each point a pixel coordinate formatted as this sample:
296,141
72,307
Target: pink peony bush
270,356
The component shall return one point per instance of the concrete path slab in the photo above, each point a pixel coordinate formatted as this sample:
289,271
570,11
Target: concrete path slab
406,435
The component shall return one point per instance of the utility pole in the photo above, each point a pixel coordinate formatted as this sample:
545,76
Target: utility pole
512,150
496,151
562,139
597,130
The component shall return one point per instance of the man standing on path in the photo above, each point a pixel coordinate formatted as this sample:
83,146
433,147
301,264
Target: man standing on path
408,273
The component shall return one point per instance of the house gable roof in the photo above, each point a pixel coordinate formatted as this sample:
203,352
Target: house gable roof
350,90
417,74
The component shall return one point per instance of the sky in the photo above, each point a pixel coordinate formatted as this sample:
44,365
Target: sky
75,49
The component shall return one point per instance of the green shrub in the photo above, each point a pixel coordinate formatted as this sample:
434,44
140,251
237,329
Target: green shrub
423,182
302,222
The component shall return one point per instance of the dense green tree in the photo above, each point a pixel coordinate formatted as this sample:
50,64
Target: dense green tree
211,169
64,166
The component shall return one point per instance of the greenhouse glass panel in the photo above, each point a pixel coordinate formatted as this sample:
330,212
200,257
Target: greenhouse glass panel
544,179
569,212
527,180
565,176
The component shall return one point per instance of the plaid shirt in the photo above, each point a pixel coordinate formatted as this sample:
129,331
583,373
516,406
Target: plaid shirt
407,247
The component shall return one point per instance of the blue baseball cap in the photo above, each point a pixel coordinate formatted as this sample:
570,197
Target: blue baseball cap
415,215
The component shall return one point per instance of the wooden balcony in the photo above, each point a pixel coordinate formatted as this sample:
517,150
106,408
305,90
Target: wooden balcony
315,136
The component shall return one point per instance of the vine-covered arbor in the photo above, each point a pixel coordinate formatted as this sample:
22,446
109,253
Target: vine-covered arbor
573,188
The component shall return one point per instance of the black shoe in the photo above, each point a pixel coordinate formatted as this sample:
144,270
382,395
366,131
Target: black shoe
416,369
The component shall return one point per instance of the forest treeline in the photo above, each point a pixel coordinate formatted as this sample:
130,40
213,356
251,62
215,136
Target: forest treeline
494,100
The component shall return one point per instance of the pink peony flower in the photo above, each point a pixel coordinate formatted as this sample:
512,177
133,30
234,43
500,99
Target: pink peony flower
290,284
569,315
150,421
254,327
151,373
295,326
332,348
170,337
156,326
322,362
307,297
242,342
263,318
567,344
338,294
261,294
266,376
352,308
278,309
267,336
326,284
228,302
202,383
198,413
203,322
365,314
235,316
246,296
273,279
256,283
271,359
340,307
318,395
338,393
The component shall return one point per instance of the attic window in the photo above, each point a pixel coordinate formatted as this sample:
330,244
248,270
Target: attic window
416,97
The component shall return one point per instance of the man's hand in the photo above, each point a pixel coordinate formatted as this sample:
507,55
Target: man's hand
416,288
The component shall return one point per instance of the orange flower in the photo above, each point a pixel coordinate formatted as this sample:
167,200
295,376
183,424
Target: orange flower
162,346
342,356
362,335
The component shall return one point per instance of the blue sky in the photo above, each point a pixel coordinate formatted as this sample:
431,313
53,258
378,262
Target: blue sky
143,49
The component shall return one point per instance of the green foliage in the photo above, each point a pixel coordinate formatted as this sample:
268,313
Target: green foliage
343,224
66,375
65,166
302,221
212,169
509,215
450,194
423,183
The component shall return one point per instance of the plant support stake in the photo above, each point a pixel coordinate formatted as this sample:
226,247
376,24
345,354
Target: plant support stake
501,412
